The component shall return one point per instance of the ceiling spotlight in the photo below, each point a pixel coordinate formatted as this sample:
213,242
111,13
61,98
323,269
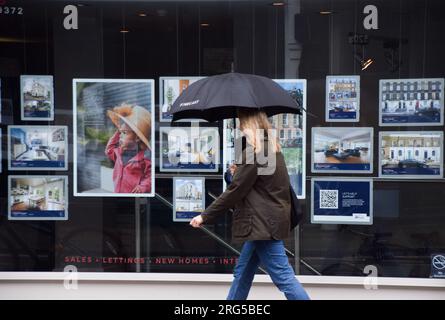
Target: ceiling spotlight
142,14
124,31
205,25
278,4
325,12
366,64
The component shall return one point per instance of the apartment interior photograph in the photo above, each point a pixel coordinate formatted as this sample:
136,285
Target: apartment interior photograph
342,146
37,194
37,143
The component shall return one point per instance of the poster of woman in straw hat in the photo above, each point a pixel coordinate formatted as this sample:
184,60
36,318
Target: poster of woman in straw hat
113,137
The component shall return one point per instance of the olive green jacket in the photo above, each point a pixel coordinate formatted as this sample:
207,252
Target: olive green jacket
261,202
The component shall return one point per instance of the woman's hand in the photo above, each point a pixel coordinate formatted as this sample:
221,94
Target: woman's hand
232,169
196,221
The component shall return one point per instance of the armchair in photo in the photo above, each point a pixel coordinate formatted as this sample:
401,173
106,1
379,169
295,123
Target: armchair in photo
55,153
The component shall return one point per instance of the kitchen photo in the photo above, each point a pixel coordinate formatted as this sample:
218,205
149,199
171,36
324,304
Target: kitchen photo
38,198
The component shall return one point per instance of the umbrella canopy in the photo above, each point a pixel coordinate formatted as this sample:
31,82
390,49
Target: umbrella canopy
218,97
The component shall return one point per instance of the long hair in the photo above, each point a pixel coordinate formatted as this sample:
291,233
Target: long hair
255,125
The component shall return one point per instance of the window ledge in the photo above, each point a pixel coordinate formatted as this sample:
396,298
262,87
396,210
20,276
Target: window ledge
215,278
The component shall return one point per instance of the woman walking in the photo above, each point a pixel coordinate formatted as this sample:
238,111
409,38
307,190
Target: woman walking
261,218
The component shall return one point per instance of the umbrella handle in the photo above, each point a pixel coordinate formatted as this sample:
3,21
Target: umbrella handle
309,113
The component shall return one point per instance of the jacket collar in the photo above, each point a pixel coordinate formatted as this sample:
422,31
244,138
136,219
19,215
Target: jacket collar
137,158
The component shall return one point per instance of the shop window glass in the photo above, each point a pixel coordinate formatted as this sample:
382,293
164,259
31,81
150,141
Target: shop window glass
148,40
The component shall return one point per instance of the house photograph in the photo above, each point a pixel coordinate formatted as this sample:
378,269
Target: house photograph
411,102
411,154
37,97
170,89
291,131
188,198
342,98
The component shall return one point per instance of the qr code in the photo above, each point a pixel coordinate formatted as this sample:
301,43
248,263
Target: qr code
328,199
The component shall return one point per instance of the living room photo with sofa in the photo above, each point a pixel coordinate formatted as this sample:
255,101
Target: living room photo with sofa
38,147
339,150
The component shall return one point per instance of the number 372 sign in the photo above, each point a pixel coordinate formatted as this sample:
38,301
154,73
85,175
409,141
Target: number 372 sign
9,10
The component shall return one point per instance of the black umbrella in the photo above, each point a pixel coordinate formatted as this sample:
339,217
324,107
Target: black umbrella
218,97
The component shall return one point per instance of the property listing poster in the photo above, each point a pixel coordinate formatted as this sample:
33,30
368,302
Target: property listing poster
185,149
113,137
342,201
188,197
231,132
337,150
291,130
411,102
342,98
169,90
38,197
38,148
37,98
411,154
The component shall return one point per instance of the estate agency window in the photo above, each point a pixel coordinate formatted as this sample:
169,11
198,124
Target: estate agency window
365,158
